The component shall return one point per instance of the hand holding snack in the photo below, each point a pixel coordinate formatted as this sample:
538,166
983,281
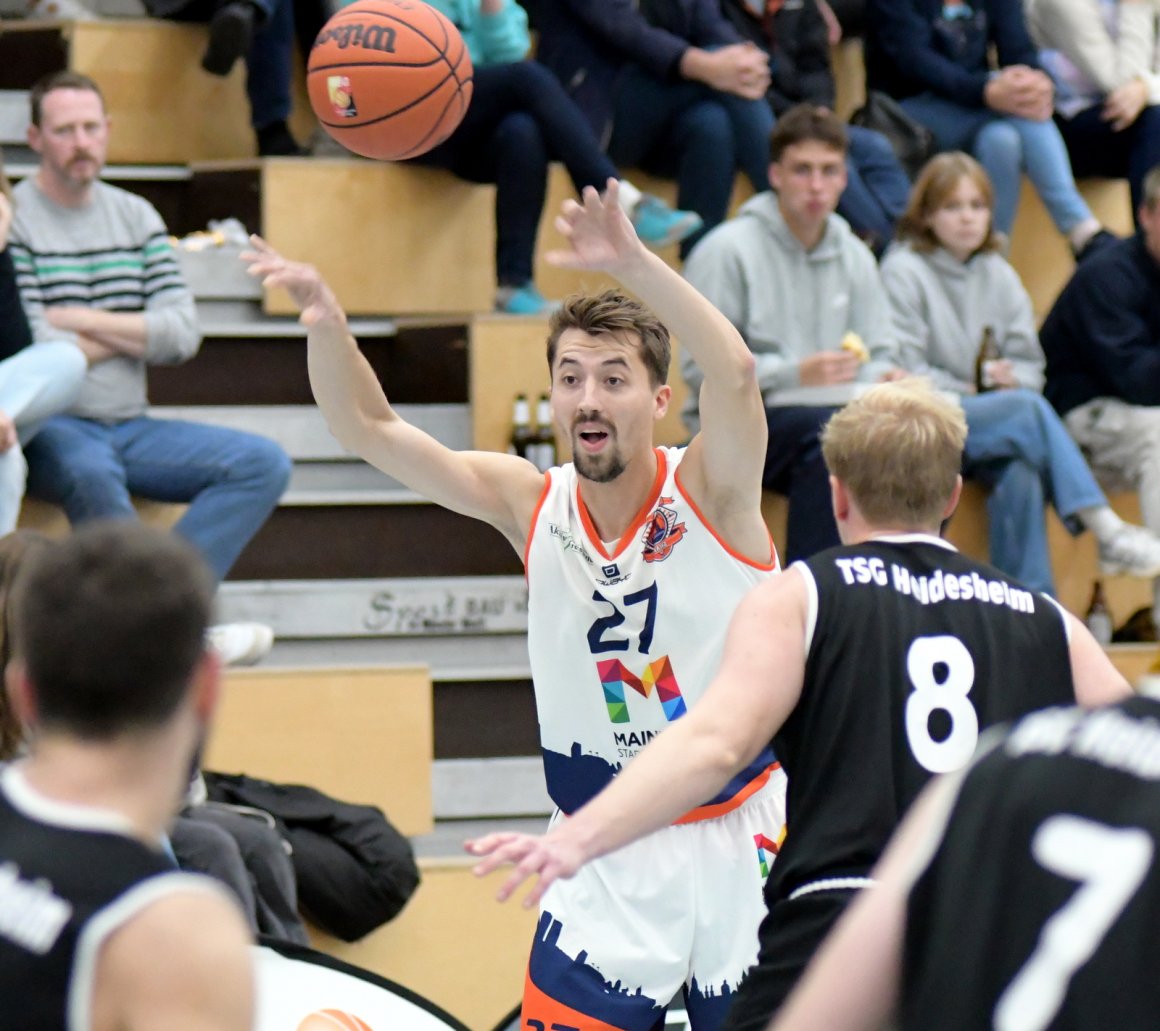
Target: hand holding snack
852,342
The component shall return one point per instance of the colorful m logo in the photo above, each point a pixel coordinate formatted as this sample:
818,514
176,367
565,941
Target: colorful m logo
615,677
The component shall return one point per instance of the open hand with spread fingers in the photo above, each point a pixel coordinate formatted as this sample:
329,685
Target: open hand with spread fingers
600,233
303,282
547,857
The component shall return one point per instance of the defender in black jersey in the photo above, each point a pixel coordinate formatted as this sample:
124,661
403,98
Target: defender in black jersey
872,667
114,682
1020,896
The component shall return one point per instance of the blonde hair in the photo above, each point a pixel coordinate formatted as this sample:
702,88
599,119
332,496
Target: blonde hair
939,178
898,449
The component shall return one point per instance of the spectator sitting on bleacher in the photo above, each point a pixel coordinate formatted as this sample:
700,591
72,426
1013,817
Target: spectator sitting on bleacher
1102,341
35,382
796,38
934,58
95,267
949,286
1104,57
261,32
795,281
519,120
670,87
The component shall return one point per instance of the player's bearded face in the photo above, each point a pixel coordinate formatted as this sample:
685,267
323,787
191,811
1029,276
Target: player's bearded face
599,466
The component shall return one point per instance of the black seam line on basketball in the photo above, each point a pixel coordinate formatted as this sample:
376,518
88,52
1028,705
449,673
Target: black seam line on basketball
418,32
373,64
391,114
422,145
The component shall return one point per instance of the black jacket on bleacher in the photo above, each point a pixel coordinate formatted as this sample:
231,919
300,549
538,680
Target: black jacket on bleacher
15,334
1102,336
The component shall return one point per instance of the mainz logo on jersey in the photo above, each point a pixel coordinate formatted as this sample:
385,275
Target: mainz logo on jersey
615,676
767,848
662,532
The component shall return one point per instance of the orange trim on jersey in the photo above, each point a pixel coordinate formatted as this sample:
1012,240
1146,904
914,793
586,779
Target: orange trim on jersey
771,566
709,812
638,520
535,519
540,1010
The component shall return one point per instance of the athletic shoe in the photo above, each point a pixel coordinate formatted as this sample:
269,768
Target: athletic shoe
1131,550
231,31
1096,243
523,300
658,225
240,644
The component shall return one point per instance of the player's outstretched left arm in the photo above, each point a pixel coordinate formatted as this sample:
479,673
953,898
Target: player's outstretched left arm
724,465
756,689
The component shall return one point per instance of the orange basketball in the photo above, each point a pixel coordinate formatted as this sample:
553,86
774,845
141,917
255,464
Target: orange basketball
333,1020
389,79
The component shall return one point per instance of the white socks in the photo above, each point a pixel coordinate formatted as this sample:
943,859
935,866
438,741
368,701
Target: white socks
1101,520
629,195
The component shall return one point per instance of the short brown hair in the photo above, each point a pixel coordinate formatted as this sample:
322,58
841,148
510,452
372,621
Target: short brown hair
59,80
898,449
110,624
939,178
804,123
609,314
5,185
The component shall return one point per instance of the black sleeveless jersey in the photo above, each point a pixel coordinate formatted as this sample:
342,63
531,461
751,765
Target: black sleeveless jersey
912,650
1039,908
69,877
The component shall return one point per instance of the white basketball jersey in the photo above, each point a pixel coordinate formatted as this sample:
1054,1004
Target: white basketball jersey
621,644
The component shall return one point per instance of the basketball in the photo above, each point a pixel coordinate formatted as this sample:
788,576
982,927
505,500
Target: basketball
389,79
333,1020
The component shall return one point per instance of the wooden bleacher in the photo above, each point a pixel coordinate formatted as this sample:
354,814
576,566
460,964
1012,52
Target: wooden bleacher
367,734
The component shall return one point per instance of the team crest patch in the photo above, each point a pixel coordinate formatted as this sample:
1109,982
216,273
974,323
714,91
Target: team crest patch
662,532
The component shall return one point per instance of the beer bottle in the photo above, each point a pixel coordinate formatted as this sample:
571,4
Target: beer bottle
521,437
543,449
988,352
1098,616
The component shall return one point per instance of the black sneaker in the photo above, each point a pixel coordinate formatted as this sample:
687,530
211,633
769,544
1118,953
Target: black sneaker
231,30
275,141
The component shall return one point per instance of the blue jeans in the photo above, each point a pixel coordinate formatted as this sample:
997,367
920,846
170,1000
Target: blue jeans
518,121
231,480
794,467
1097,149
699,135
877,188
35,383
1018,447
1006,147
269,64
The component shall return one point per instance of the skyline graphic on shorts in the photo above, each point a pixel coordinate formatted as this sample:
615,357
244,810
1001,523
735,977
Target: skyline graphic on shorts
615,677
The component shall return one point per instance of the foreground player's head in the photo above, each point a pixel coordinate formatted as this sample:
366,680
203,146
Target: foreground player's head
16,549
609,360
895,454
109,633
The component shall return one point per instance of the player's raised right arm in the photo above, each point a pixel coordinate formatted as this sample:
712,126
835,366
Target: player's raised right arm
499,489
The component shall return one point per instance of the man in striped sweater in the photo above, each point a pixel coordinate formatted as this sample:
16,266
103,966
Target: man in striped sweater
95,266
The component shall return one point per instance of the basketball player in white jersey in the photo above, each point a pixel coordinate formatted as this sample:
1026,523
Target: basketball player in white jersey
635,557
112,679
871,667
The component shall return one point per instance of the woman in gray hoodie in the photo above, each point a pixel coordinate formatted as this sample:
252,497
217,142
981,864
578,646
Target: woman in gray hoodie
962,318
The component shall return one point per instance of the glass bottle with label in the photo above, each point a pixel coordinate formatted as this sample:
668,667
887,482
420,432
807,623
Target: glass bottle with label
521,438
988,352
543,449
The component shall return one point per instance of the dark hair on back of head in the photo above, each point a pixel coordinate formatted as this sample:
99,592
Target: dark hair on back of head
110,624
611,314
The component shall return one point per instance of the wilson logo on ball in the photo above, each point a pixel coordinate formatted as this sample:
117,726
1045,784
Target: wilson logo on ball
369,37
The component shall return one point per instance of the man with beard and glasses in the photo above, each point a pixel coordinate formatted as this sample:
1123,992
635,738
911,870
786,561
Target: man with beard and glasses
113,679
636,556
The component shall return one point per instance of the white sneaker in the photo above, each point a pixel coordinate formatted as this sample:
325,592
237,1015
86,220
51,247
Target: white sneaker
240,644
1131,550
